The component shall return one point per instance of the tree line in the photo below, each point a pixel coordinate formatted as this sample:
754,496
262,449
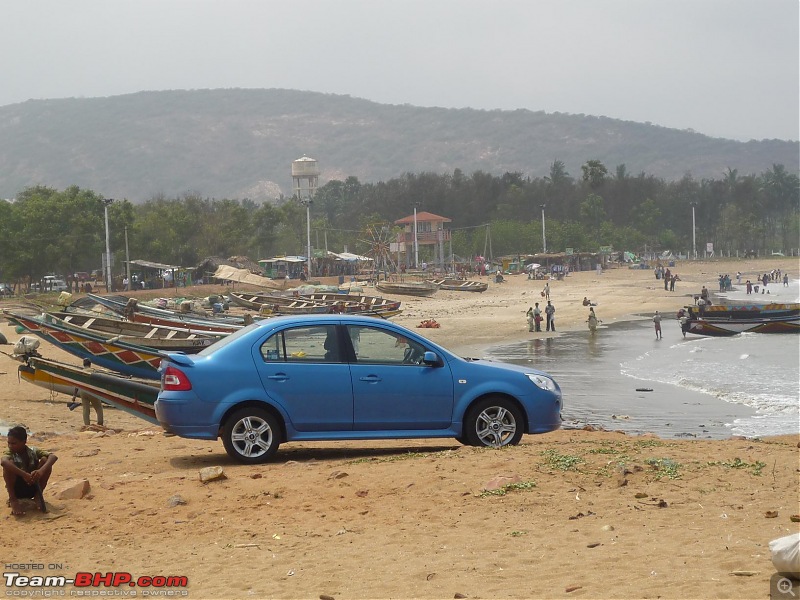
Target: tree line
45,230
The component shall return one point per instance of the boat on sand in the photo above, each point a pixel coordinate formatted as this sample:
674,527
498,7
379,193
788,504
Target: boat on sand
407,288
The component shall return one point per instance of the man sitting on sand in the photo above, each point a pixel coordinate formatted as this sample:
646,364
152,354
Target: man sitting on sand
26,470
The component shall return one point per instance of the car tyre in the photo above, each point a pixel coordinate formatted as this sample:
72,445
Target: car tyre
251,435
493,422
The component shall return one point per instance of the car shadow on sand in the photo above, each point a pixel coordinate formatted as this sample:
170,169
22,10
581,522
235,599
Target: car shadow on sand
313,454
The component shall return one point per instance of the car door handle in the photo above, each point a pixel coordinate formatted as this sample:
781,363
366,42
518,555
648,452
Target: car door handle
371,379
278,377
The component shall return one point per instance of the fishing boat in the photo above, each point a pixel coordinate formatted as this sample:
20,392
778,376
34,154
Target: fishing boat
744,311
355,303
408,288
278,304
461,285
118,304
129,359
159,337
731,326
136,397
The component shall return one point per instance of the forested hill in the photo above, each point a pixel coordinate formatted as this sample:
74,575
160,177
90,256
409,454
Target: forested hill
240,143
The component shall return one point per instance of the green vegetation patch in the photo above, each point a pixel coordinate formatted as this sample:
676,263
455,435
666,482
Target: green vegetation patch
738,463
562,462
665,467
509,487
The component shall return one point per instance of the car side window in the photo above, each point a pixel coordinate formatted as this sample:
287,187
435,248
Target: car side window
313,344
378,346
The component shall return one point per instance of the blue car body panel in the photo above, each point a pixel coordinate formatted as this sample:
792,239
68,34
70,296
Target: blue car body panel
348,398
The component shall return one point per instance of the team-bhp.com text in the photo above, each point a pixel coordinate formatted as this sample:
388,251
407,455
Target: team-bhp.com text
95,584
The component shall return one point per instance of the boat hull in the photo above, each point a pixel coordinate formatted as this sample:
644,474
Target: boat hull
151,336
423,288
461,285
129,359
723,327
134,397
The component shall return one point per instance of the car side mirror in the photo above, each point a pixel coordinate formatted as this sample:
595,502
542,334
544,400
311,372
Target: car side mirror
431,359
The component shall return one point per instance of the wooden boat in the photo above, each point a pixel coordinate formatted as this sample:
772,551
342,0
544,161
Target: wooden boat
408,288
118,304
286,305
153,336
461,285
729,326
355,303
136,397
123,357
744,311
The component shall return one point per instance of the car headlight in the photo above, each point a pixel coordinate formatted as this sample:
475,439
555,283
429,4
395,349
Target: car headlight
542,381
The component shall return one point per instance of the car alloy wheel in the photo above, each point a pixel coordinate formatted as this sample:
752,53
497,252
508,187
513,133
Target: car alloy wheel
494,422
251,435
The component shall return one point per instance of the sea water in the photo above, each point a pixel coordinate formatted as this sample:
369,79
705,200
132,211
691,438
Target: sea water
747,384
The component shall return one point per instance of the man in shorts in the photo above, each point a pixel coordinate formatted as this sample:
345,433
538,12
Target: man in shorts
26,470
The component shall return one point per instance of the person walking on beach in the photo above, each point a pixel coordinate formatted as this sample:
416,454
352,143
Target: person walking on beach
667,279
529,316
657,322
786,280
537,317
672,281
26,470
550,312
546,291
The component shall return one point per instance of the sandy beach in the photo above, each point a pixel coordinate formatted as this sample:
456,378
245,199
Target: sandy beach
574,513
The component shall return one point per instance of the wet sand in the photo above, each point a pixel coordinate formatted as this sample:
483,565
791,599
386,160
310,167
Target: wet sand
596,393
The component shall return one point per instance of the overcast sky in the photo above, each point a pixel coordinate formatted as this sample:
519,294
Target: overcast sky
725,68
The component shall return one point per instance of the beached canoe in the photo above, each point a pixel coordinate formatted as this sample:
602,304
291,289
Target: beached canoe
355,303
287,305
136,397
461,285
409,288
172,339
118,304
129,359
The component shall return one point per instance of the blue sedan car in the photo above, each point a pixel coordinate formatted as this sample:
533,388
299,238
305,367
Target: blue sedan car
339,377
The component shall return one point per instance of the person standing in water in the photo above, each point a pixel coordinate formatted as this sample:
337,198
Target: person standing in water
657,322
592,320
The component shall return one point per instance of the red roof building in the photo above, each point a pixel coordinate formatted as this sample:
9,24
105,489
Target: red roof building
430,232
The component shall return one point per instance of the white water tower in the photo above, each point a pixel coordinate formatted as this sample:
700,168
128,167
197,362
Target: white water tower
305,178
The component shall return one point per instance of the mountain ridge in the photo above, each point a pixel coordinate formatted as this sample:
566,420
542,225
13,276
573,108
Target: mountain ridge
239,143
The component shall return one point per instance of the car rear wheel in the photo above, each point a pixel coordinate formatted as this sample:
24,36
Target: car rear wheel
251,435
494,422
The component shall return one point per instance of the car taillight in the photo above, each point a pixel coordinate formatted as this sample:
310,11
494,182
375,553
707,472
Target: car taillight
174,380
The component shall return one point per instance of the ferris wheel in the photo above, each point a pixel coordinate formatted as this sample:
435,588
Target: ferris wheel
378,238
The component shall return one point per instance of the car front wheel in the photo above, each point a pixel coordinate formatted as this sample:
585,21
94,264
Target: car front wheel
251,435
494,422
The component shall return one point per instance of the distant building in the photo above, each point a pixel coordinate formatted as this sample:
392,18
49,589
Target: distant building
430,232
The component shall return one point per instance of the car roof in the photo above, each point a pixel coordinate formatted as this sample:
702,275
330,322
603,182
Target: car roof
339,318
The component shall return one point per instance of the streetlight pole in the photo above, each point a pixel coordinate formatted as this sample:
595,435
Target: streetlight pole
308,202
544,238
106,203
694,238
416,243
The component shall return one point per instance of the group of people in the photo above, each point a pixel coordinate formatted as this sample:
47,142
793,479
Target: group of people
534,317
668,276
